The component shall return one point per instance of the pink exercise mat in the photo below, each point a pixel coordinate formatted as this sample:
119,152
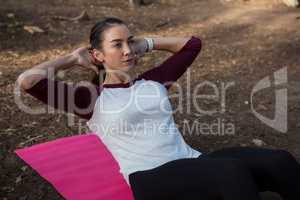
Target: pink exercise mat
79,167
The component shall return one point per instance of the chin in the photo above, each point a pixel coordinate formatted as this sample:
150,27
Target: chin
126,68
129,66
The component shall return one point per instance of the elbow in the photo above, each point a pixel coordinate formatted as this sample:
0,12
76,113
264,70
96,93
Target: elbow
23,82
29,78
196,43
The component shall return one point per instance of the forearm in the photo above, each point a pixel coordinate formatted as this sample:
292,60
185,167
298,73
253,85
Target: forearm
173,67
170,44
46,69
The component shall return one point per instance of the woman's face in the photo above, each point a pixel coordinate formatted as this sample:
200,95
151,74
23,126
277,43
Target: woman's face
116,52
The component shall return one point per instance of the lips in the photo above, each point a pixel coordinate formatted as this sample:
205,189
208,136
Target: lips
129,60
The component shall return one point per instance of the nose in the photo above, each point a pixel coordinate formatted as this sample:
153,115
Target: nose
127,49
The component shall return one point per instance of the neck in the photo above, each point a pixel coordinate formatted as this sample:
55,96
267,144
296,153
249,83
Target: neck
113,78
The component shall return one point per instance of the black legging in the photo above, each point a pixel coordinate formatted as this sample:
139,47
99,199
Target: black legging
237,173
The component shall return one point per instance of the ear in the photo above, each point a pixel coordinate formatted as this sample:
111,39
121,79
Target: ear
98,55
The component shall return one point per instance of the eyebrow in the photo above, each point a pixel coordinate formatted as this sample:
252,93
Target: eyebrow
118,40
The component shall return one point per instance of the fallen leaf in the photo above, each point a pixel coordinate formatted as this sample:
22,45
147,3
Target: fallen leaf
24,168
291,3
33,29
18,179
262,107
258,142
10,15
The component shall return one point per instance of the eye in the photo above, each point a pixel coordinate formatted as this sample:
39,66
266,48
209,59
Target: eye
118,45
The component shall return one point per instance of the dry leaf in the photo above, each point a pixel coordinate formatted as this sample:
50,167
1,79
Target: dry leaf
24,168
18,179
262,107
291,3
10,15
258,142
33,29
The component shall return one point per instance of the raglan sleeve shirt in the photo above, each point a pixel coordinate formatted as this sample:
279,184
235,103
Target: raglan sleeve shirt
175,66
69,97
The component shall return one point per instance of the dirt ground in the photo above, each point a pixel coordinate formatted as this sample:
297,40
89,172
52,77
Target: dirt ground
243,42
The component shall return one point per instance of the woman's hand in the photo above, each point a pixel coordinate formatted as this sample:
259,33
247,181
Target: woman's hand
139,47
84,59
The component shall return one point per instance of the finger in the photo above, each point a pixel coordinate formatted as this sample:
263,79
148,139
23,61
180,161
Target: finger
95,69
89,67
93,59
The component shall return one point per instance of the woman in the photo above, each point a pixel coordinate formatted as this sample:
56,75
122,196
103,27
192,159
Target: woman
128,115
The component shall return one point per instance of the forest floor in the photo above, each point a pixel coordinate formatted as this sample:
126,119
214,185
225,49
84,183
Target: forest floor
243,42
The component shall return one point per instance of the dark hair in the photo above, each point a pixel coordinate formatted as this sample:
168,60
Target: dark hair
96,38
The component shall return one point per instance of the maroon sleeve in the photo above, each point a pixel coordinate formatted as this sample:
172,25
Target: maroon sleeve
174,67
71,98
